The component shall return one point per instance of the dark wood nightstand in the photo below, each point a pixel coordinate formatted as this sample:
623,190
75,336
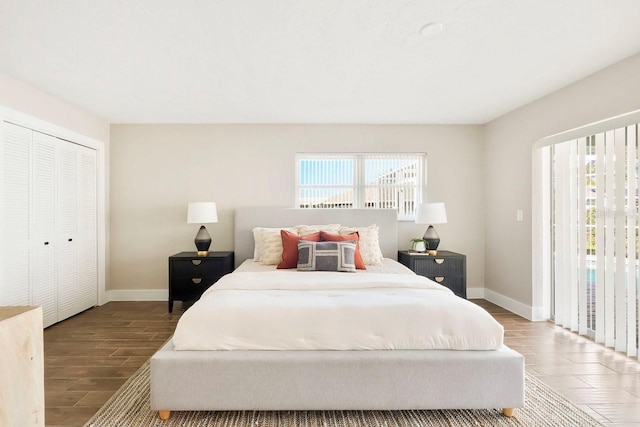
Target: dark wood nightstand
447,268
190,275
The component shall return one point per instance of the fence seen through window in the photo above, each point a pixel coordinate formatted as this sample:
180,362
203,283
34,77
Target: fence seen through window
390,180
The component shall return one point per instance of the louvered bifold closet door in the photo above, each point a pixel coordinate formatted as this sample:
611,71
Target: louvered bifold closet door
16,198
87,229
67,234
43,222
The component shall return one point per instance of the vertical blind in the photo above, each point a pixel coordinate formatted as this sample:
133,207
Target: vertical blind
595,237
389,180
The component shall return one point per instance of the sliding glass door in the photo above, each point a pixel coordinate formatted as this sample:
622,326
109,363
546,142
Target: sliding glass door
594,236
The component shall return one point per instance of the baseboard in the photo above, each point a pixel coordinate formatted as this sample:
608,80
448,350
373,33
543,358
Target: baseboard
475,293
138,295
530,313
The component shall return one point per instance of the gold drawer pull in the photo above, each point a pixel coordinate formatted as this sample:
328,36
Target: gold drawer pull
196,261
196,281
439,260
439,279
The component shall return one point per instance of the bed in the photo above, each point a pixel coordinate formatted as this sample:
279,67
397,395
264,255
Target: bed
297,378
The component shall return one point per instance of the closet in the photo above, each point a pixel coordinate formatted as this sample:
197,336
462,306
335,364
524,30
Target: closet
49,223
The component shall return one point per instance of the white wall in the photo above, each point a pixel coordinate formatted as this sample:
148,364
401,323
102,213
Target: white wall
508,143
157,169
26,99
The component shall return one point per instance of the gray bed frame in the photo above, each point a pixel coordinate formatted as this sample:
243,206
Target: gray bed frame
332,380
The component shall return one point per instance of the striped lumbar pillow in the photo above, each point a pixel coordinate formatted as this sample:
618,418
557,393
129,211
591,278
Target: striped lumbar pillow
326,256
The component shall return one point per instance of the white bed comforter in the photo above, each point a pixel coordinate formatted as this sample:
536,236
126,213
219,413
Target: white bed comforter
333,311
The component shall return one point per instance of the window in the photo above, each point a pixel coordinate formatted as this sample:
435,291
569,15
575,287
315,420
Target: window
393,180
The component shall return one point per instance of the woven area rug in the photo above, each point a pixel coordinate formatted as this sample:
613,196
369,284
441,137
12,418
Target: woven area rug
129,407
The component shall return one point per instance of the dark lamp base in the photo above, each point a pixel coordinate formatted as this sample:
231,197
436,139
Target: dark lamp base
203,241
432,240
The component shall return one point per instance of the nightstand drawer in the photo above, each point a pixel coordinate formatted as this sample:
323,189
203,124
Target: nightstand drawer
192,286
197,267
439,266
455,283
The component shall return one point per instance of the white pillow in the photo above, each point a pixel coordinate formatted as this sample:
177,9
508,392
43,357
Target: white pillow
263,240
268,244
303,230
257,243
369,243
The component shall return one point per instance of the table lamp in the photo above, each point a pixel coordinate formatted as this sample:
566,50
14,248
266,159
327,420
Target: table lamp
202,213
431,213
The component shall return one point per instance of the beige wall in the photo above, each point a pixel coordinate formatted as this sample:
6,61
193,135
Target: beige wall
508,167
157,169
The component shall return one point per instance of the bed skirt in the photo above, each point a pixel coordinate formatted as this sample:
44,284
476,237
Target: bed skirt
336,380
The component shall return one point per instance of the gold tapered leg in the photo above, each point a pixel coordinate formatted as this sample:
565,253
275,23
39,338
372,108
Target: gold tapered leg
164,415
508,412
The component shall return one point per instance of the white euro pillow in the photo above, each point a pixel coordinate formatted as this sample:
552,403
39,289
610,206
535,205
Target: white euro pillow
268,244
369,243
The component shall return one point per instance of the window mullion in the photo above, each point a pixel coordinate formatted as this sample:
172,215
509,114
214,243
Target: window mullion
359,191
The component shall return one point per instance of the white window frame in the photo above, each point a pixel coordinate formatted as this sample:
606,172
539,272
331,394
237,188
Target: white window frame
359,177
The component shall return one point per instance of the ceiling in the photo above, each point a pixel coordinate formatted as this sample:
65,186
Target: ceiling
310,61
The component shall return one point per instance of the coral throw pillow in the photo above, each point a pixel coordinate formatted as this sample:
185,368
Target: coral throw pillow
290,247
328,237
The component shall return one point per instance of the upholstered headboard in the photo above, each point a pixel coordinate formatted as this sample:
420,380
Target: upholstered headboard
248,218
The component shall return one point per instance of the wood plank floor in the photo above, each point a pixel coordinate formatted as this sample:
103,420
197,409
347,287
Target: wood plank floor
88,357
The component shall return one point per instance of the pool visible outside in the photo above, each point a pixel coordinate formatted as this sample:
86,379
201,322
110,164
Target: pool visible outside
591,295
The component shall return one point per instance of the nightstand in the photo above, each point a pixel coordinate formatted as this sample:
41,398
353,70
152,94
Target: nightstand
190,275
447,268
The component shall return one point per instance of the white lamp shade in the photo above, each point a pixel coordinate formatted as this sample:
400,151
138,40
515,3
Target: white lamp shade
202,213
431,213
